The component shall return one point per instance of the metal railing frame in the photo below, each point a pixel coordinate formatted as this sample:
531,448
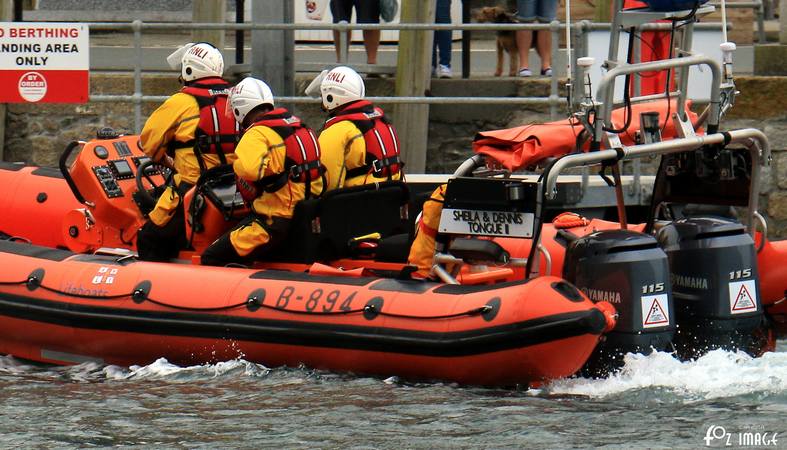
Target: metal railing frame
137,27
554,100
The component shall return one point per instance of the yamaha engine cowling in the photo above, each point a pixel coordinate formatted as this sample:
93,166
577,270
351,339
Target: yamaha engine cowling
715,282
629,270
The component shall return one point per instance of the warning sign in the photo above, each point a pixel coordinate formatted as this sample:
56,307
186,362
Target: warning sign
655,311
743,297
44,62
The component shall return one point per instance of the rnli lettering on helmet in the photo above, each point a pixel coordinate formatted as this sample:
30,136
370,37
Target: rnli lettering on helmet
486,223
198,51
335,76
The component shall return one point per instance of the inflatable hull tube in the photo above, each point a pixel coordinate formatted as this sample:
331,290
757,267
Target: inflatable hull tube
34,201
64,308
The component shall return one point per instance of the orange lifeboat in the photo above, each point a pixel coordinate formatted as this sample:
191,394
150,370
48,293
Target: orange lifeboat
72,290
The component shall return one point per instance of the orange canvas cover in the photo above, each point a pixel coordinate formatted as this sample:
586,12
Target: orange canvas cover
526,145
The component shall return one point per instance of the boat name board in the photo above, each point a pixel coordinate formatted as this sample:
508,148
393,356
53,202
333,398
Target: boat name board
487,223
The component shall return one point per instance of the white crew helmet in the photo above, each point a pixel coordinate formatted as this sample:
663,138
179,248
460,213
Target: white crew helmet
201,60
247,95
341,85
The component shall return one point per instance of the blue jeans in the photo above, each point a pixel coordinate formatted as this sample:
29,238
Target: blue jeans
442,38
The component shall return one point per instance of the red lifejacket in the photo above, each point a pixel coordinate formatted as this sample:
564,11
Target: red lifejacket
217,133
302,161
382,143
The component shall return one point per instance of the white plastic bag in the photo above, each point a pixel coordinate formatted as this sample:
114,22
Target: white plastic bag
388,9
315,9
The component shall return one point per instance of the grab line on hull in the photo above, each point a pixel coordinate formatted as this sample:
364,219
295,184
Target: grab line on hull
140,295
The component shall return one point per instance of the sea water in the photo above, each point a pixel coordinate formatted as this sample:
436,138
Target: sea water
721,400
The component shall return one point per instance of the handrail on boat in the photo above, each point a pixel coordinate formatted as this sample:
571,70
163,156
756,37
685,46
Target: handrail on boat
754,140
605,90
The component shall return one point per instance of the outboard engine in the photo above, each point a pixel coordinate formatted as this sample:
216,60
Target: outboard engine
713,267
629,270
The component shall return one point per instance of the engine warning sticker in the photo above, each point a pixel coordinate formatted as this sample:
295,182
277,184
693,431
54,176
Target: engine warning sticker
743,297
655,311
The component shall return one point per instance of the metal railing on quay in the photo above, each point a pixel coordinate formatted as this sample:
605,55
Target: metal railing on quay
554,101
137,27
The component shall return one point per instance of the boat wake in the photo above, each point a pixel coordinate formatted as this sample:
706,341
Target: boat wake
718,374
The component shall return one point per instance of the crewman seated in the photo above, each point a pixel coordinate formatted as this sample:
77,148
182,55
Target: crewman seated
358,142
425,244
277,166
189,134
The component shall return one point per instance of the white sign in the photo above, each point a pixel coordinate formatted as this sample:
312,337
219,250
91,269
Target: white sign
655,311
743,297
46,62
487,223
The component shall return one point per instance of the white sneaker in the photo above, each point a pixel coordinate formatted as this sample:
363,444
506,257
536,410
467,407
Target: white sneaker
525,72
444,71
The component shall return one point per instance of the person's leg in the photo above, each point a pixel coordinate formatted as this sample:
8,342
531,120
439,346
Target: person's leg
371,41
336,43
526,12
162,243
443,37
238,246
524,38
434,52
341,10
368,11
164,234
546,11
544,49
220,253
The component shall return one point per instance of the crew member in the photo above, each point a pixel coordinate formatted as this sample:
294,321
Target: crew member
277,165
359,144
422,250
188,133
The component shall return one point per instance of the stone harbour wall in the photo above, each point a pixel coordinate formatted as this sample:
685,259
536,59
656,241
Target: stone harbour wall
37,134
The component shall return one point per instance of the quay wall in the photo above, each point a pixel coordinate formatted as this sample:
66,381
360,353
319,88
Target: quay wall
37,133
